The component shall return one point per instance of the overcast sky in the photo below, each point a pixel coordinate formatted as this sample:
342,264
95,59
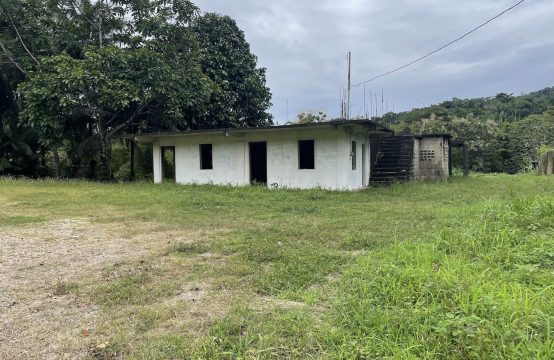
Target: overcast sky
303,44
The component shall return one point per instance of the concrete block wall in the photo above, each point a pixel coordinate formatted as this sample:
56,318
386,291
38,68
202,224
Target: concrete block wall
431,158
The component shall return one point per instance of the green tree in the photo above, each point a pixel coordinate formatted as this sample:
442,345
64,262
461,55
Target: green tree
19,147
309,118
525,138
83,66
240,96
112,88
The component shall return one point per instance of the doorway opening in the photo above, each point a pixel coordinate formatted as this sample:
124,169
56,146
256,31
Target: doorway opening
258,163
168,163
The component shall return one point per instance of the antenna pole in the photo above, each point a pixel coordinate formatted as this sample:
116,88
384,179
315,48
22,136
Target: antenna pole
371,102
376,105
341,105
365,104
349,86
382,102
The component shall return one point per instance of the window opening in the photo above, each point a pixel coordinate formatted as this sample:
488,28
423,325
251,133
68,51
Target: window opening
206,157
353,152
306,154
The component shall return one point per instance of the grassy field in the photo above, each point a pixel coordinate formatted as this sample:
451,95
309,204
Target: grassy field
459,270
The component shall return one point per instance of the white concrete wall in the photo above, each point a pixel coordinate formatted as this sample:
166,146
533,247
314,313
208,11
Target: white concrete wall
231,159
228,160
355,178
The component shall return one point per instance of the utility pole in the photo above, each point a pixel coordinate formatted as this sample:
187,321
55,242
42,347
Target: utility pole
349,86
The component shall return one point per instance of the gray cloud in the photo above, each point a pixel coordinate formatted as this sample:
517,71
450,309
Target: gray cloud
303,44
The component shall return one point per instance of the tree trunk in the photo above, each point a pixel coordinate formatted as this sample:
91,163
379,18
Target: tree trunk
74,163
57,163
550,163
105,159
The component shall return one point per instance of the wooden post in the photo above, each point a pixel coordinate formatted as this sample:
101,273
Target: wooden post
549,163
466,160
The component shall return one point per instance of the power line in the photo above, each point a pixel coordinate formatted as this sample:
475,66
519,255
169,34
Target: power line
444,46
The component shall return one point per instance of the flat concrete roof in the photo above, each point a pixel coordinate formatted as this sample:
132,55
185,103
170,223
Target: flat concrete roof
372,125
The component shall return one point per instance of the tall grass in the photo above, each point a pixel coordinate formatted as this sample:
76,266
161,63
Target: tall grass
483,291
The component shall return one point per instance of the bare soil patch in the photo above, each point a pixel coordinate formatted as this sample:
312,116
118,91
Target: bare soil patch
41,317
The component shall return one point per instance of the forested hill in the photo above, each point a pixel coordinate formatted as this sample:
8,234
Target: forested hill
506,133
500,107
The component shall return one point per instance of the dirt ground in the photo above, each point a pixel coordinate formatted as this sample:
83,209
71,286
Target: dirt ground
40,317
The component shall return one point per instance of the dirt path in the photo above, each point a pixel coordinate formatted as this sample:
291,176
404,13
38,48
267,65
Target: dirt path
40,318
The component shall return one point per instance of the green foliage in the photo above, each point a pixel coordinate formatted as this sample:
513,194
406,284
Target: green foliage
121,162
308,118
110,88
504,132
88,72
240,97
19,150
545,149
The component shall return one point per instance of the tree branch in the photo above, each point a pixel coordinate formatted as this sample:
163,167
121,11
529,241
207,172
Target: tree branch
12,60
6,14
78,10
92,111
113,117
128,121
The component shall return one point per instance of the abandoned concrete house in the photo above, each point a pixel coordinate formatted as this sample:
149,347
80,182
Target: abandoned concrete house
338,155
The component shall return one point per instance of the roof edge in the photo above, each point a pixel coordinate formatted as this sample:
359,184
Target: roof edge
438,135
226,131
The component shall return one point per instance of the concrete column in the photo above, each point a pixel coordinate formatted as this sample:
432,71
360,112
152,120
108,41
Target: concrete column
157,152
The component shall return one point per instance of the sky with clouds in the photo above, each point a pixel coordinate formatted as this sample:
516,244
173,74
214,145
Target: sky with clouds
304,45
